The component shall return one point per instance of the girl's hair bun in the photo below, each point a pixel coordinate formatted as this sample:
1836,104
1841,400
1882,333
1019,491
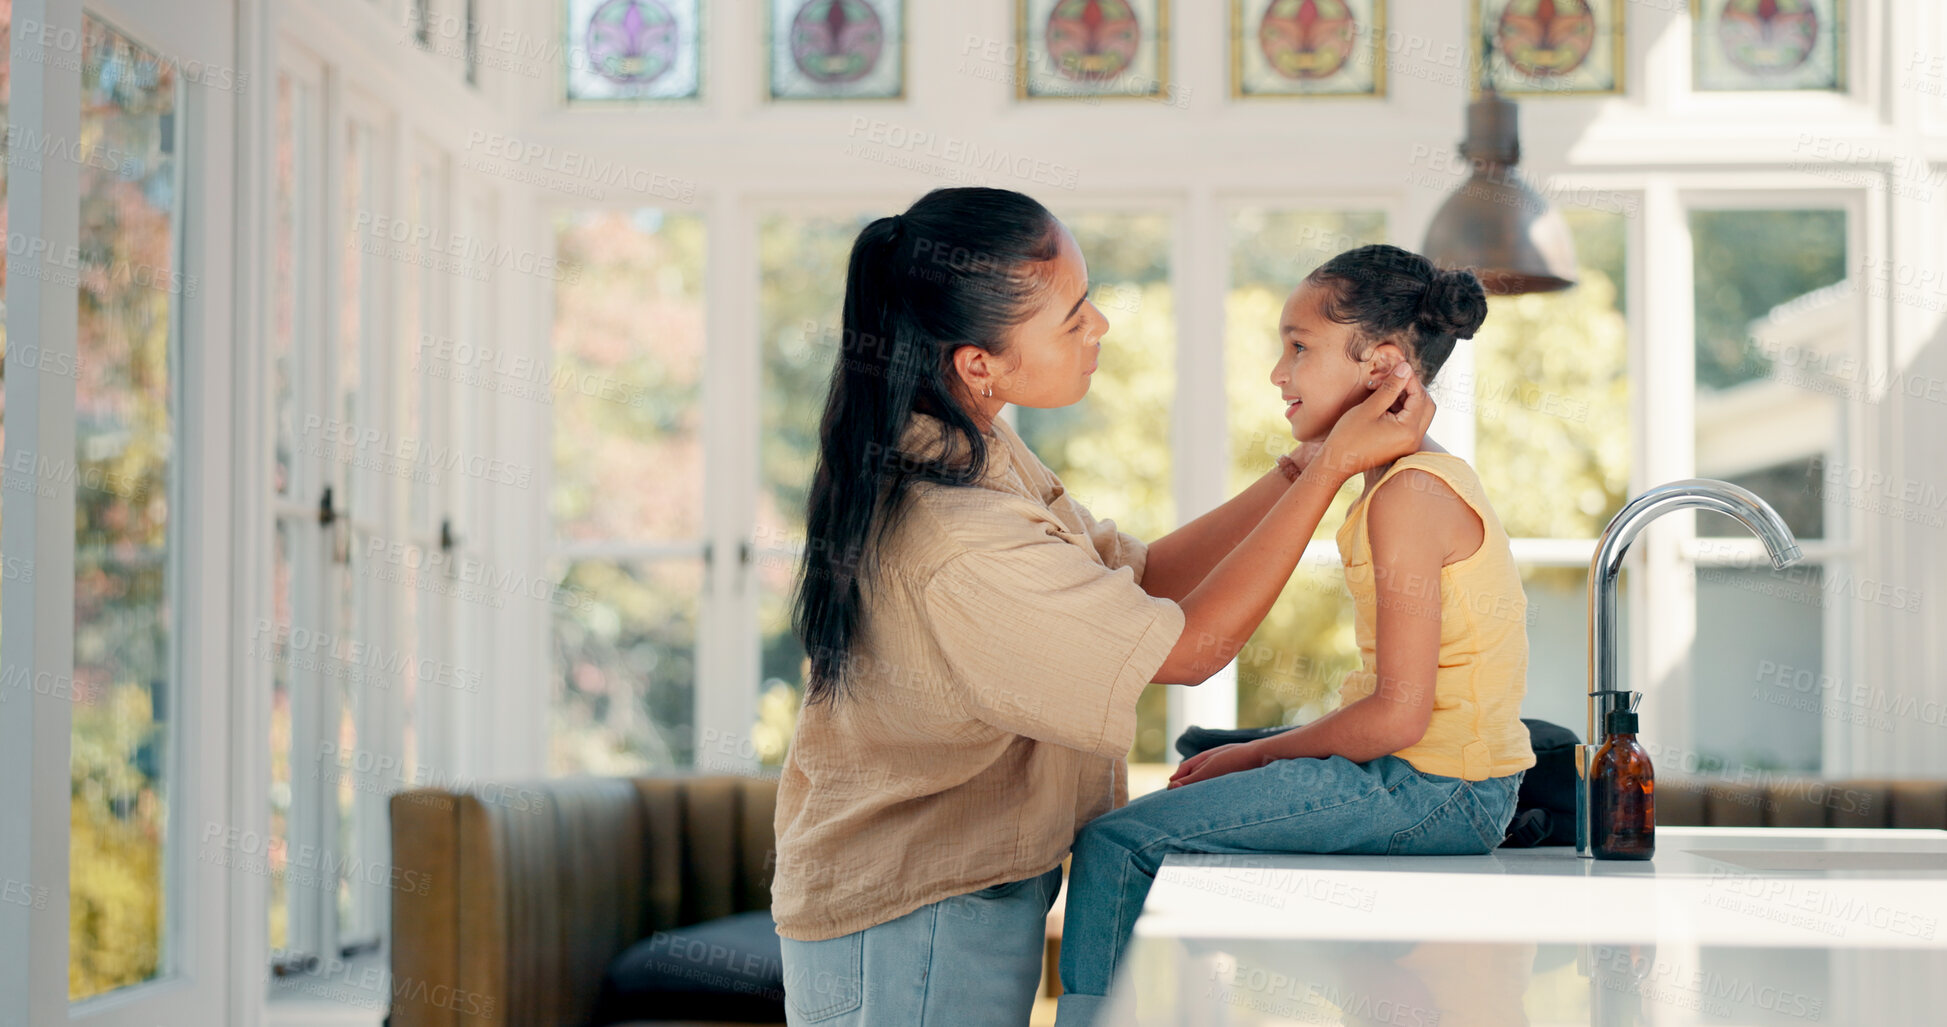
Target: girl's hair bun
1454,304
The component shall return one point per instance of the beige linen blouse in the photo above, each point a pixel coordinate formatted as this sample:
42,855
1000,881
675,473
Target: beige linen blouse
991,706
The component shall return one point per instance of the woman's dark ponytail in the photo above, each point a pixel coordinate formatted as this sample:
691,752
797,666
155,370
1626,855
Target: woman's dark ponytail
950,271
1391,294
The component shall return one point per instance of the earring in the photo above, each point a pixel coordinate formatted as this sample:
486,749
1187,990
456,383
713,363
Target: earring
989,391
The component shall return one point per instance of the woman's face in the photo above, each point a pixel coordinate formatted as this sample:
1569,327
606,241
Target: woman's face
1317,378
1049,357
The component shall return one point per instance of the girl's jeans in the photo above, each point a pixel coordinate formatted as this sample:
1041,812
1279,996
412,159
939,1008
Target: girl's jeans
1384,807
970,959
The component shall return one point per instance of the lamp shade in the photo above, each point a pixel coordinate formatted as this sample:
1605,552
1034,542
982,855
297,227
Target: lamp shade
1496,223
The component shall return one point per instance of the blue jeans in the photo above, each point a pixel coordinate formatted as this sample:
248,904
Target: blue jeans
1384,807
970,959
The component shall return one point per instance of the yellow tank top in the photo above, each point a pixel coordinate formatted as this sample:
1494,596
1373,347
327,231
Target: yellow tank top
1476,730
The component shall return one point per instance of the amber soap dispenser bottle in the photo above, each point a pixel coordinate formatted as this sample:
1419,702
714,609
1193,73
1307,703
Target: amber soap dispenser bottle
1622,793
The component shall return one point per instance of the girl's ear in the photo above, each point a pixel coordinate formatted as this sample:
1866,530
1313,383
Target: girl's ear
1383,358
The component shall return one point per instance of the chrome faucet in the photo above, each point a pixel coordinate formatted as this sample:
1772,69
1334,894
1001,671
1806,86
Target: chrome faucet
1604,570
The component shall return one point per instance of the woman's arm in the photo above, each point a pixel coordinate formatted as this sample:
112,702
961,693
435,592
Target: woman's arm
1230,602
1180,560
1412,538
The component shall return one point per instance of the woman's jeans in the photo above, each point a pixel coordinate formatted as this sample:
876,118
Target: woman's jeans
970,959
1384,807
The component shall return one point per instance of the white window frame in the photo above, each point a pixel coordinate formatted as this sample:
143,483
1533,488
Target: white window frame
356,51
36,730
725,551
1674,552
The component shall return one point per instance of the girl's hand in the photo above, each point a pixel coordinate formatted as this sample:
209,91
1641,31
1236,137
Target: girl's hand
1218,761
1373,434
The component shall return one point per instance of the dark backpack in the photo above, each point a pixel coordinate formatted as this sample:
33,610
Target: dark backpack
1544,809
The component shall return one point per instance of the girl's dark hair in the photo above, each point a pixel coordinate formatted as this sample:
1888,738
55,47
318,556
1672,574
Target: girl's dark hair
1395,295
953,270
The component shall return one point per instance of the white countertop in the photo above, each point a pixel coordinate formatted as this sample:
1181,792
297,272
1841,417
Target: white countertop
1725,925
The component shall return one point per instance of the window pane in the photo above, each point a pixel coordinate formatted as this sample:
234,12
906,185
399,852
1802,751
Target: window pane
293,316
628,376
358,315
801,264
625,667
1290,669
415,296
272,647
1550,391
291,301
1767,412
124,652
628,353
351,588
1757,665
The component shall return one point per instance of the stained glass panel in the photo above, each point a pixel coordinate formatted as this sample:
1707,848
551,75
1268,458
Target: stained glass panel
1092,48
838,49
633,50
1768,44
1307,47
1550,46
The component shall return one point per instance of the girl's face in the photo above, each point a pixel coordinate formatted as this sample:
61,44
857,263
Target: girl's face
1317,378
1050,356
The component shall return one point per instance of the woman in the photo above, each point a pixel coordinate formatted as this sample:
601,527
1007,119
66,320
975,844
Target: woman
977,640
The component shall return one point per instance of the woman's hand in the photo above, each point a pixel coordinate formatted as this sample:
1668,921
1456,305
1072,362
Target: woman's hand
1373,434
1218,761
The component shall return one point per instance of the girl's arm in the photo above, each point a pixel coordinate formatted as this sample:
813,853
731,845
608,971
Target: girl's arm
1180,560
1413,535
1220,613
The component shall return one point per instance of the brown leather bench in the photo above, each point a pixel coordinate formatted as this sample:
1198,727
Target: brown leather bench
533,891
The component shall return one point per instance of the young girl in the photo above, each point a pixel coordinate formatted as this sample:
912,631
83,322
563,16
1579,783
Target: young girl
1425,752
